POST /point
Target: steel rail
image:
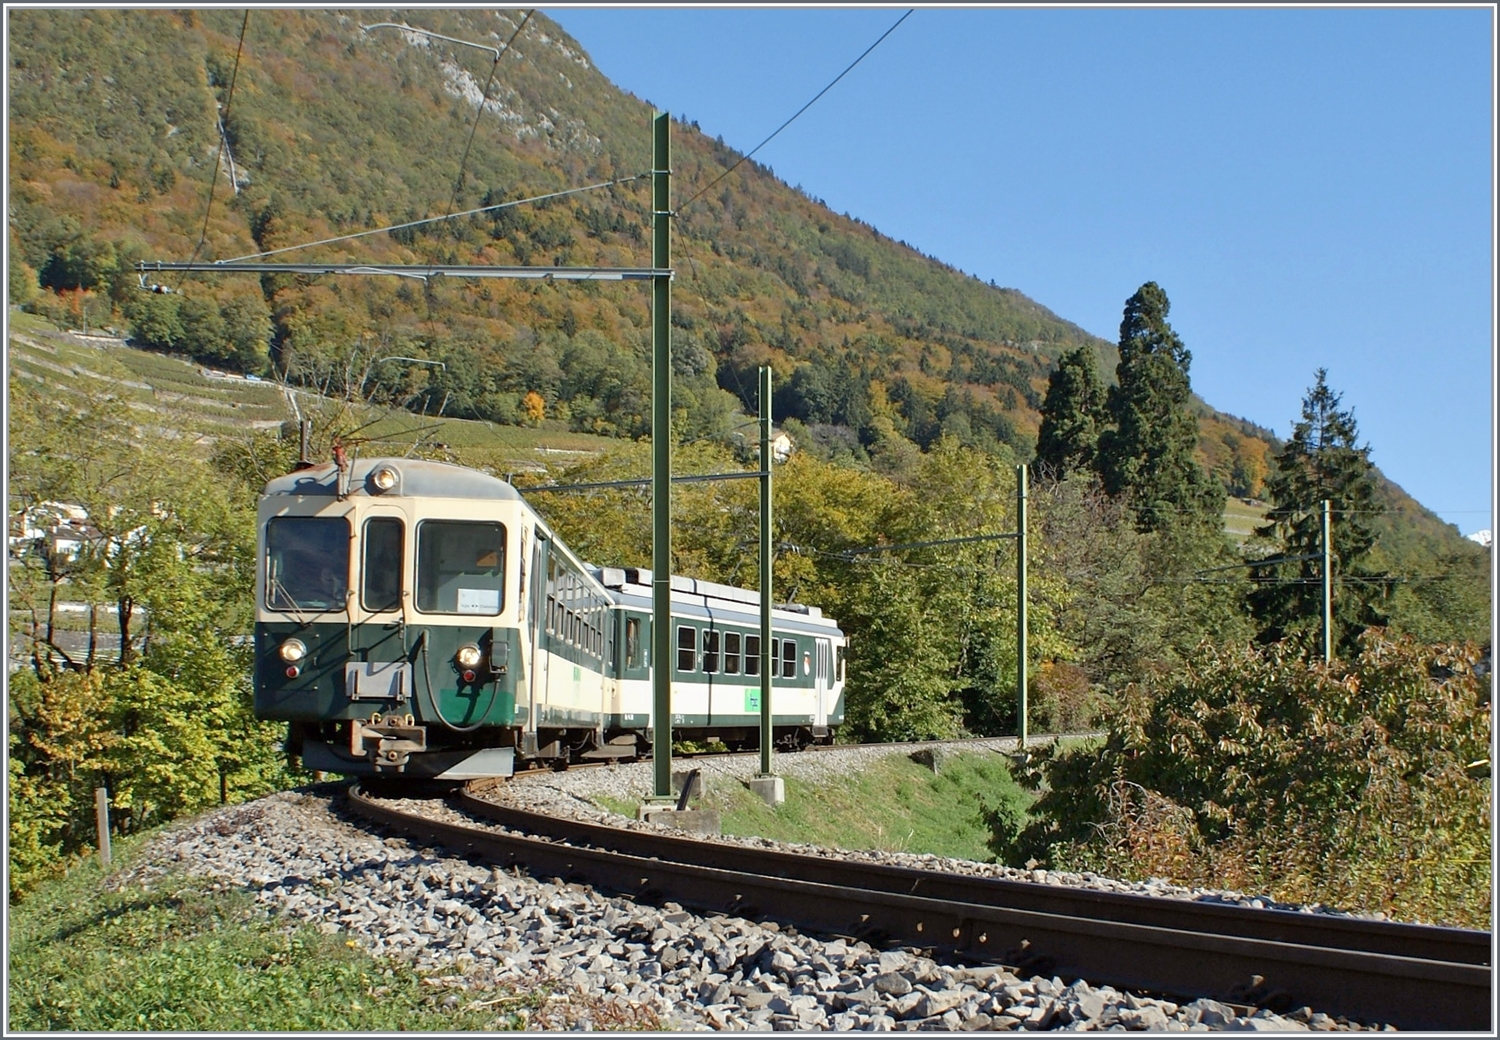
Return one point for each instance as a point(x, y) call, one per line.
point(1408, 992)
point(1456, 945)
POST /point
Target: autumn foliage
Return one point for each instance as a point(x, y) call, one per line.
point(1363, 785)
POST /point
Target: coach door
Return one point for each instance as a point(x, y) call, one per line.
point(378, 668)
point(823, 679)
point(537, 618)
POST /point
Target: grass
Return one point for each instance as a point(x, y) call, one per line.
point(181, 957)
point(1241, 518)
point(894, 805)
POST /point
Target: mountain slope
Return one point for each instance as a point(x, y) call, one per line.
point(334, 131)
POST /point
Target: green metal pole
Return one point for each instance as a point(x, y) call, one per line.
point(1021, 604)
point(661, 457)
point(1327, 586)
point(766, 662)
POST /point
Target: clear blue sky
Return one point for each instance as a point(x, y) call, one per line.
point(1311, 187)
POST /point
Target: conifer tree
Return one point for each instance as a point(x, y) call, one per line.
point(1148, 454)
point(1072, 416)
point(1323, 460)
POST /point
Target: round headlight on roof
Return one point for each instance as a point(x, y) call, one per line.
point(292, 651)
point(383, 478)
point(468, 656)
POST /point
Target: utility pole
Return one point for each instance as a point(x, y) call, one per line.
point(1327, 586)
point(767, 662)
point(661, 456)
point(1021, 606)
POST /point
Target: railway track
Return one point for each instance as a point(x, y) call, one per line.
point(1410, 976)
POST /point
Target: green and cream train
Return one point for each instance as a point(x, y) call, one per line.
point(420, 619)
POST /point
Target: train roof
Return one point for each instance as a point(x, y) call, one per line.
point(414, 478)
point(636, 581)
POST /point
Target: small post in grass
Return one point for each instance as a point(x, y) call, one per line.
point(101, 821)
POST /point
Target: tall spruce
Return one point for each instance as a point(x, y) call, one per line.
point(1323, 460)
point(1148, 453)
point(1072, 416)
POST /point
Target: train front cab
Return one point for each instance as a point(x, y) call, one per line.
point(386, 631)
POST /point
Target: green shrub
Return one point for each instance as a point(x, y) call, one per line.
point(1061, 699)
point(1364, 785)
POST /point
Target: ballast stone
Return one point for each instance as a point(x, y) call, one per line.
point(488, 927)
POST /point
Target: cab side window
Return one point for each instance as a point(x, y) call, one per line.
point(385, 538)
point(460, 567)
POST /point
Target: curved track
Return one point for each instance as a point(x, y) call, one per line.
point(1410, 976)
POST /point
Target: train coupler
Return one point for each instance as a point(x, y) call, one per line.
point(387, 741)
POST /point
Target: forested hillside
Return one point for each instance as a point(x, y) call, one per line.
point(333, 130)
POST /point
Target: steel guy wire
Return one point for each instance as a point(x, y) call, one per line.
point(799, 111)
point(213, 184)
point(484, 95)
point(433, 220)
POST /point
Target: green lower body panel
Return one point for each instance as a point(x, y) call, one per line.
point(351, 673)
point(461, 764)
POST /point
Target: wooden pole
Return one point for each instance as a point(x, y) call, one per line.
point(101, 821)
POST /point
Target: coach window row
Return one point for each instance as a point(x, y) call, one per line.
point(575, 613)
point(722, 653)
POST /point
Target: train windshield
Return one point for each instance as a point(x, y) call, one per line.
point(307, 563)
point(460, 567)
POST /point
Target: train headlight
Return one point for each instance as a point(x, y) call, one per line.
point(292, 651)
point(383, 478)
point(468, 656)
